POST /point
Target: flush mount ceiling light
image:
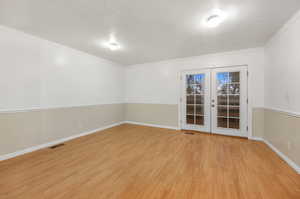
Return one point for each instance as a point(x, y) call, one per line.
point(215, 18)
point(112, 44)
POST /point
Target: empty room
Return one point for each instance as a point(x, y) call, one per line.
point(149, 99)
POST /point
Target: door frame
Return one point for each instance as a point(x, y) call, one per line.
point(180, 97)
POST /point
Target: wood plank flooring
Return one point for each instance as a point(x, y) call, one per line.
point(130, 162)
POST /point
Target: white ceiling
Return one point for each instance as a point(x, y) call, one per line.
point(148, 30)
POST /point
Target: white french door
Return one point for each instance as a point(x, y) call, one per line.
point(215, 101)
point(195, 103)
point(229, 101)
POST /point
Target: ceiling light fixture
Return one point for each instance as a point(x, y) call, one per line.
point(215, 18)
point(112, 44)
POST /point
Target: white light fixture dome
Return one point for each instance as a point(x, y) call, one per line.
point(215, 18)
point(112, 44)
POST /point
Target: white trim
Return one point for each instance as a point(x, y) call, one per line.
point(256, 139)
point(180, 98)
point(149, 102)
point(213, 67)
point(279, 153)
point(290, 113)
point(152, 125)
point(52, 107)
point(284, 157)
point(35, 148)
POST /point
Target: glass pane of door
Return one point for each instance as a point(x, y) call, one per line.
point(228, 99)
point(195, 91)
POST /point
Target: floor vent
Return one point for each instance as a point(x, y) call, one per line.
point(56, 146)
point(188, 133)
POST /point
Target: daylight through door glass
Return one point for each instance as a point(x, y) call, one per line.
point(195, 85)
point(228, 100)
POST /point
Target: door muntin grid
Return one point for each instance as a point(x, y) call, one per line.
point(228, 100)
point(195, 95)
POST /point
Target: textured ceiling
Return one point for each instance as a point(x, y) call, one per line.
point(148, 30)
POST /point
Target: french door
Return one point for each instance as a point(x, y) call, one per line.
point(196, 108)
point(215, 101)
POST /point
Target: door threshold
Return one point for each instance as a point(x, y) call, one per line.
point(231, 136)
point(193, 132)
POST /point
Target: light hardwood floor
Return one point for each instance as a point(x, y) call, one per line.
point(130, 162)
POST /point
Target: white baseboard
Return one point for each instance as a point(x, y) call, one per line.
point(280, 154)
point(152, 125)
point(256, 138)
point(35, 148)
point(284, 157)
